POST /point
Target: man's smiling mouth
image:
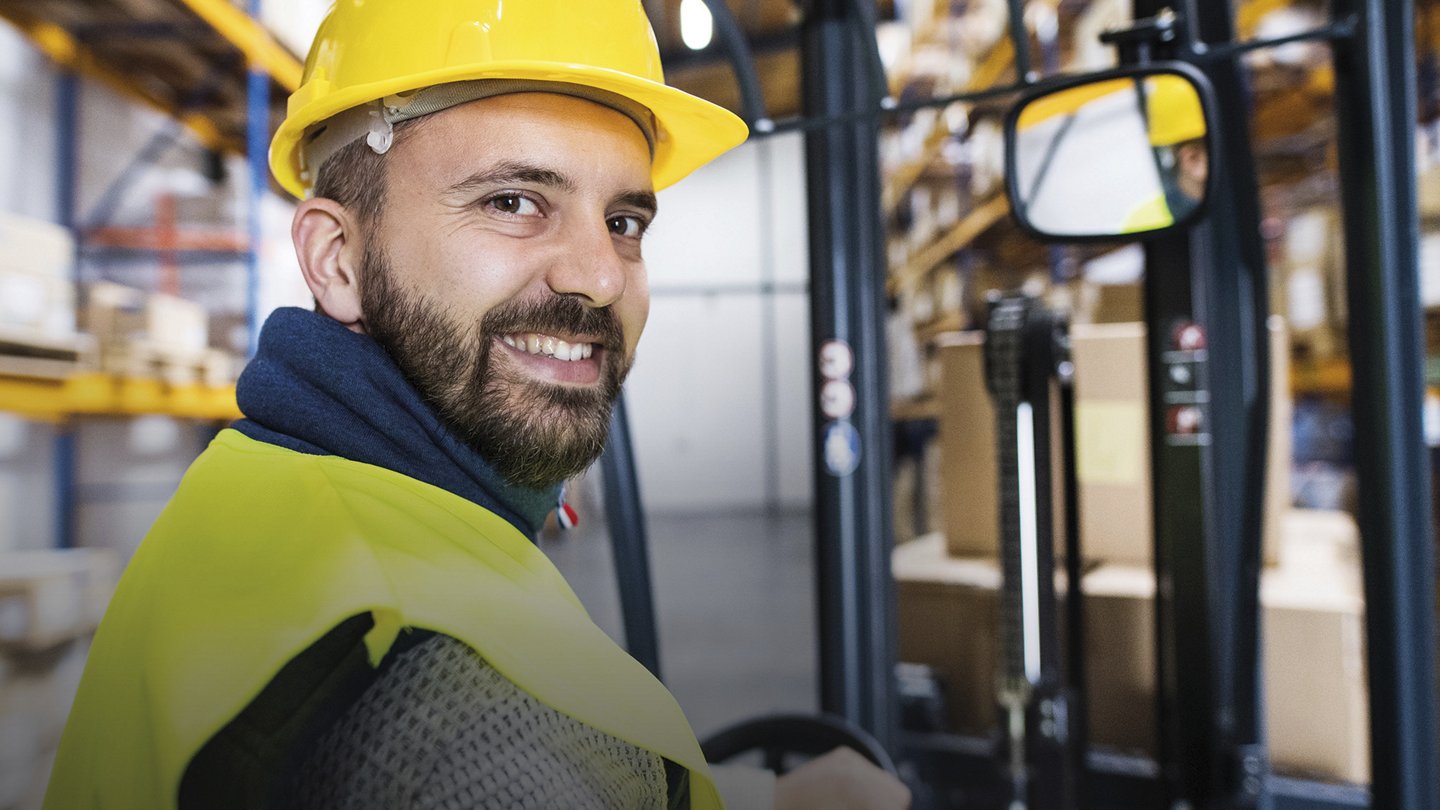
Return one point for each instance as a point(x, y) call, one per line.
point(549, 346)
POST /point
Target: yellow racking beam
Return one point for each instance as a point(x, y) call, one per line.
point(61, 48)
point(956, 238)
point(248, 35)
point(107, 395)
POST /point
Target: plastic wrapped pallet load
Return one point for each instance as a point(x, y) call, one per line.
point(37, 292)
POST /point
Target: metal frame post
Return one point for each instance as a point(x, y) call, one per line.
point(257, 136)
point(1210, 284)
point(625, 519)
point(852, 454)
point(1376, 113)
point(67, 145)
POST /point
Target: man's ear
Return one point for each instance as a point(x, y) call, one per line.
point(331, 248)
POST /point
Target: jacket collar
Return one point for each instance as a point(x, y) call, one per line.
point(316, 387)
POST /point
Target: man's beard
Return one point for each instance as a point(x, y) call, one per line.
point(535, 434)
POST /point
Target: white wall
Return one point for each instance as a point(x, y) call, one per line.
point(719, 399)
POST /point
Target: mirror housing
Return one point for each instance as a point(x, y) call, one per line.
point(1120, 155)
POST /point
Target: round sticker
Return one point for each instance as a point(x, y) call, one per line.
point(842, 449)
point(837, 399)
point(837, 360)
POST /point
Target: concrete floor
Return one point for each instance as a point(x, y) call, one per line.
point(735, 604)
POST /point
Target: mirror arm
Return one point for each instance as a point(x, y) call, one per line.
point(1140, 41)
point(1334, 32)
point(1020, 38)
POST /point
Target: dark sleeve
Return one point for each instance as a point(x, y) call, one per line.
point(249, 762)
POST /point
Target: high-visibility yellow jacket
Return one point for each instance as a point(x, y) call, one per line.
point(1150, 215)
point(265, 550)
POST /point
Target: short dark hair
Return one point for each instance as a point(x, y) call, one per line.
point(355, 176)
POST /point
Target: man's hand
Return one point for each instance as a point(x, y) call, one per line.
point(840, 780)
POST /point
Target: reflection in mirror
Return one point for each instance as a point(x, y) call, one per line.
point(1119, 157)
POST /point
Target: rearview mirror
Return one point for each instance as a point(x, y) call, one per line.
point(1121, 155)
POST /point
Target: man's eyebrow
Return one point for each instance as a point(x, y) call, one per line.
point(513, 172)
point(644, 200)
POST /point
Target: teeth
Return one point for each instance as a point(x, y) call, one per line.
point(547, 346)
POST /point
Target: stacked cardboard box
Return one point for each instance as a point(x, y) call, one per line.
point(153, 335)
point(50, 603)
point(1112, 425)
point(1312, 631)
point(948, 584)
point(37, 294)
point(48, 597)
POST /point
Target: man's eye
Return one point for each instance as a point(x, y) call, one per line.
point(515, 204)
point(627, 226)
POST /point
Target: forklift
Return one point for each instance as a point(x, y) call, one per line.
point(1205, 297)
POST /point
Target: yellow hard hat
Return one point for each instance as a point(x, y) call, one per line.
point(1175, 112)
point(372, 50)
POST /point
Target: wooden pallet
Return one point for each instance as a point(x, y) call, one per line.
point(28, 354)
point(174, 366)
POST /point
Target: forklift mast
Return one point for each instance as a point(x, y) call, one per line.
point(1206, 297)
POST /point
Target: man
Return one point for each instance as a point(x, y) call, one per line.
point(1175, 121)
point(341, 608)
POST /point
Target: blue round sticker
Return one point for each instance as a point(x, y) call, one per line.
point(842, 449)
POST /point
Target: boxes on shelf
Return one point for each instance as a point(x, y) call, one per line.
point(1313, 298)
point(967, 447)
point(37, 292)
point(154, 335)
point(1112, 437)
point(1109, 303)
point(1313, 624)
point(50, 597)
point(37, 690)
point(1113, 441)
point(948, 618)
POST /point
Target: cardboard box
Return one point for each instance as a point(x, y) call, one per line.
point(948, 611)
point(37, 691)
point(1313, 636)
point(35, 306)
point(176, 325)
point(1315, 684)
point(50, 597)
point(1120, 657)
point(37, 290)
point(970, 505)
point(36, 247)
point(1111, 413)
point(1113, 441)
point(948, 618)
point(1316, 708)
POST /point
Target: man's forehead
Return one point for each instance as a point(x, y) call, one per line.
point(568, 137)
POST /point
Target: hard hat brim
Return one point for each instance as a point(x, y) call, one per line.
point(690, 130)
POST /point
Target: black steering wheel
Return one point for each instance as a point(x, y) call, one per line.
point(781, 736)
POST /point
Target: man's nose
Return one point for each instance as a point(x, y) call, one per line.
point(590, 267)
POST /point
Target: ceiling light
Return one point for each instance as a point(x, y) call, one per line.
point(697, 27)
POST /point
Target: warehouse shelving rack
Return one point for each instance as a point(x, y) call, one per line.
point(215, 71)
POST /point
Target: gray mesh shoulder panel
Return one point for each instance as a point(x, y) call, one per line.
point(442, 730)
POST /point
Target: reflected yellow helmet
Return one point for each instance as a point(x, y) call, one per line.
point(1175, 111)
point(370, 51)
